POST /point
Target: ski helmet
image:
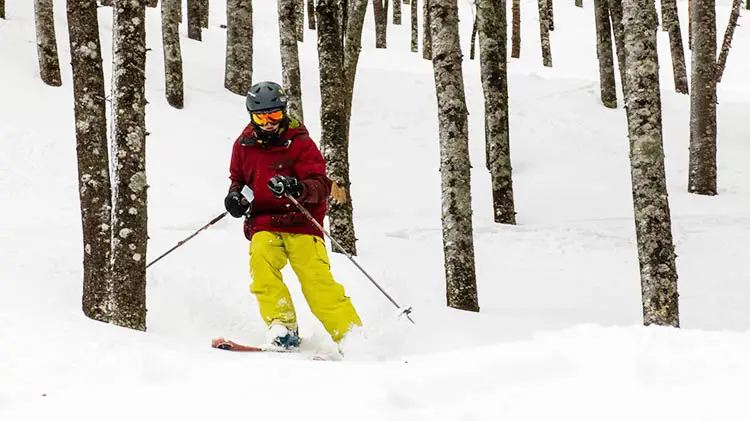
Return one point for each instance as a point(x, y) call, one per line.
point(265, 96)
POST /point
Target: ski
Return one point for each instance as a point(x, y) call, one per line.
point(229, 345)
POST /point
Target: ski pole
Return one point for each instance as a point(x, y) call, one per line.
point(312, 220)
point(213, 221)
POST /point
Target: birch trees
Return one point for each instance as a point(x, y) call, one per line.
point(94, 185)
point(650, 204)
point(607, 88)
point(129, 216)
point(455, 168)
point(46, 43)
point(173, 81)
point(238, 72)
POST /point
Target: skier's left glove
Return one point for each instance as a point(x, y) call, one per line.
point(281, 184)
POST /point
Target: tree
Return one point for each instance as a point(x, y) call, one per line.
point(414, 26)
point(615, 13)
point(493, 45)
point(579, 3)
point(397, 12)
point(333, 134)
point(129, 218)
point(455, 167)
point(516, 37)
point(46, 43)
point(671, 23)
point(650, 204)
point(426, 31)
point(299, 14)
point(607, 88)
point(728, 35)
point(544, 27)
point(205, 6)
point(2, 9)
point(311, 14)
point(195, 13)
point(380, 11)
point(290, 70)
point(173, 81)
point(94, 185)
point(702, 167)
point(238, 73)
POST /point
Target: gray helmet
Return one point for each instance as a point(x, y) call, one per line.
point(265, 96)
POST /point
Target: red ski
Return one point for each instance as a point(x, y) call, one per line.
point(227, 345)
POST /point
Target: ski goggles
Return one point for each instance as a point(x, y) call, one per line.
point(270, 117)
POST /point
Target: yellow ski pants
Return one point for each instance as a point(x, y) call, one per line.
point(269, 252)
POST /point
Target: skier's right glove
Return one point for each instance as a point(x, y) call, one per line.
point(235, 204)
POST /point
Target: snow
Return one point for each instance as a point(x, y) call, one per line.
point(559, 334)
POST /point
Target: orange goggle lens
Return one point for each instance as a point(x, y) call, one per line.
point(273, 117)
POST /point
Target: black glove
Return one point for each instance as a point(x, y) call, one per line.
point(235, 204)
point(281, 184)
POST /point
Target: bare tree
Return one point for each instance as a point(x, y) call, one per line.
point(106, 2)
point(544, 25)
point(615, 13)
point(173, 81)
point(473, 41)
point(579, 3)
point(702, 167)
point(397, 12)
point(493, 43)
point(152, 3)
point(380, 11)
point(516, 37)
point(238, 73)
point(299, 14)
point(2, 9)
point(94, 185)
point(355, 21)
point(311, 14)
point(205, 6)
point(46, 43)
point(195, 13)
point(129, 217)
point(607, 88)
point(426, 31)
point(671, 24)
point(333, 135)
point(455, 167)
point(550, 15)
point(290, 70)
point(650, 204)
point(728, 35)
point(414, 26)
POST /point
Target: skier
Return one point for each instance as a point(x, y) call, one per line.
point(274, 156)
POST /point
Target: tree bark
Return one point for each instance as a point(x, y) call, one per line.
point(194, 13)
point(544, 32)
point(397, 12)
point(650, 204)
point(579, 3)
point(355, 20)
point(46, 43)
point(333, 136)
point(671, 22)
point(516, 37)
point(238, 73)
point(299, 18)
point(380, 11)
point(130, 220)
point(173, 80)
point(728, 35)
point(426, 31)
point(94, 184)
point(702, 167)
point(414, 26)
point(493, 40)
point(550, 15)
point(607, 87)
point(106, 2)
point(2, 9)
point(288, 14)
point(152, 3)
point(455, 167)
point(615, 13)
point(473, 41)
point(205, 8)
point(311, 14)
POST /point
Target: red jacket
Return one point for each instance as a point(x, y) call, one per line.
point(254, 164)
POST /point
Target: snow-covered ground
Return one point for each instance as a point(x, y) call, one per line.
point(559, 334)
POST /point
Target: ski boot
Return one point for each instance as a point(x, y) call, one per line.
point(282, 337)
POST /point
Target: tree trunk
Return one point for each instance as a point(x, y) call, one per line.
point(615, 13)
point(130, 227)
point(397, 12)
point(607, 86)
point(671, 22)
point(380, 10)
point(414, 26)
point(238, 73)
point(473, 41)
point(311, 14)
point(299, 19)
point(455, 167)
point(173, 81)
point(550, 15)
point(46, 43)
point(544, 32)
point(194, 13)
point(290, 56)
point(493, 40)
point(152, 3)
point(106, 2)
point(355, 21)
point(579, 3)
point(728, 39)
point(702, 168)
point(94, 185)
point(426, 31)
point(516, 37)
point(205, 6)
point(650, 204)
point(333, 136)
point(2, 9)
